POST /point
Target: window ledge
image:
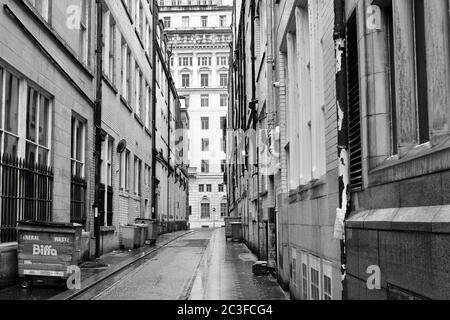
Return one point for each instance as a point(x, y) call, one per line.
point(128, 12)
point(148, 132)
point(139, 38)
point(126, 104)
point(110, 84)
point(138, 119)
point(418, 219)
point(425, 157)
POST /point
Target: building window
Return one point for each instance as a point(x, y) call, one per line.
point(185, 22)
point(204, 61)
point(223, 21)
point(205, 166)
point(185, 61)
point(224, 100)
point(204, 100)
point(223, 145)
point(223, 166)
point(126, 72)
point(185, 80)
point(356, 177)
point(9, 107)
point(421, 72)
point(204, 80)
point(38, 128)
point(205, 145)
point(223, 80)
point(326, 288)
point(208, 188)
point(223, 208)
point(111, 50)
point(305, 281)
point(148, 95)
point(167, 22)
point(315, 285)
point(205, 212)
point(84, 31)
point(137, 176)
point(201, 188)
point(205, 123)
point(223, 123)
point(35, 117)
point(125, 170)
point(78, 148)
point(42, 7)
point(222, 61)
point(204, 21)
point(137, 92)
point(221, 188)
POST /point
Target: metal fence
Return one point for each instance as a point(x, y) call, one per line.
point(26, 192)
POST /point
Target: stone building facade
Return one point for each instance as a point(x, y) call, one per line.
point(391, 69)
point(199, 35)
point(285, 187)
point(400, 166)
point(77, 126)
point(47, 95)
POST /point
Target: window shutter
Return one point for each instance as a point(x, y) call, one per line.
point(354, 108)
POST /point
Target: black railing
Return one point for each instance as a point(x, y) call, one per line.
point(78, 201)
point(26, 193)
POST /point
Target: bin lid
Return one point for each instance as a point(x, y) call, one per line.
point(49, 224)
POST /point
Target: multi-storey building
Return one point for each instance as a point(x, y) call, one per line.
point(199, 35)
point(380, 171)
point(126, 117)
point(171, 171)
point(285, 185)
point(78, 99)
point(399, 119)
point(47, 102)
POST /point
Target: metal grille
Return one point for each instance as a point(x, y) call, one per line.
point(101, 209)
point(26, 192)
point(354, 109)
point(78, 201)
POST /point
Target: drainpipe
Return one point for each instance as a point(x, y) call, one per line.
point(169, 114)
point(253, 107)
point(155, 18)
point(343, 139)
point(271, 101)
point(99, 137)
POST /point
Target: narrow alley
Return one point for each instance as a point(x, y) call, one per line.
point(198, 266)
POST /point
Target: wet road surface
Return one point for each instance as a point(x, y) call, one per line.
point(198, 266)
point(226, 274)
point(167, 275)
point(201, 265)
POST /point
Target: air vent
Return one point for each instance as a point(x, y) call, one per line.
point(354, 107)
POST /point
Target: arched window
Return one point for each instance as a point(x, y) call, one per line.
point(205, 208)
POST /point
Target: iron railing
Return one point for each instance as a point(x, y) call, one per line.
point(78, 200)
point(26, 193)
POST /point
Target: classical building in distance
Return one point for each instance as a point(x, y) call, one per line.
point(199, 34)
